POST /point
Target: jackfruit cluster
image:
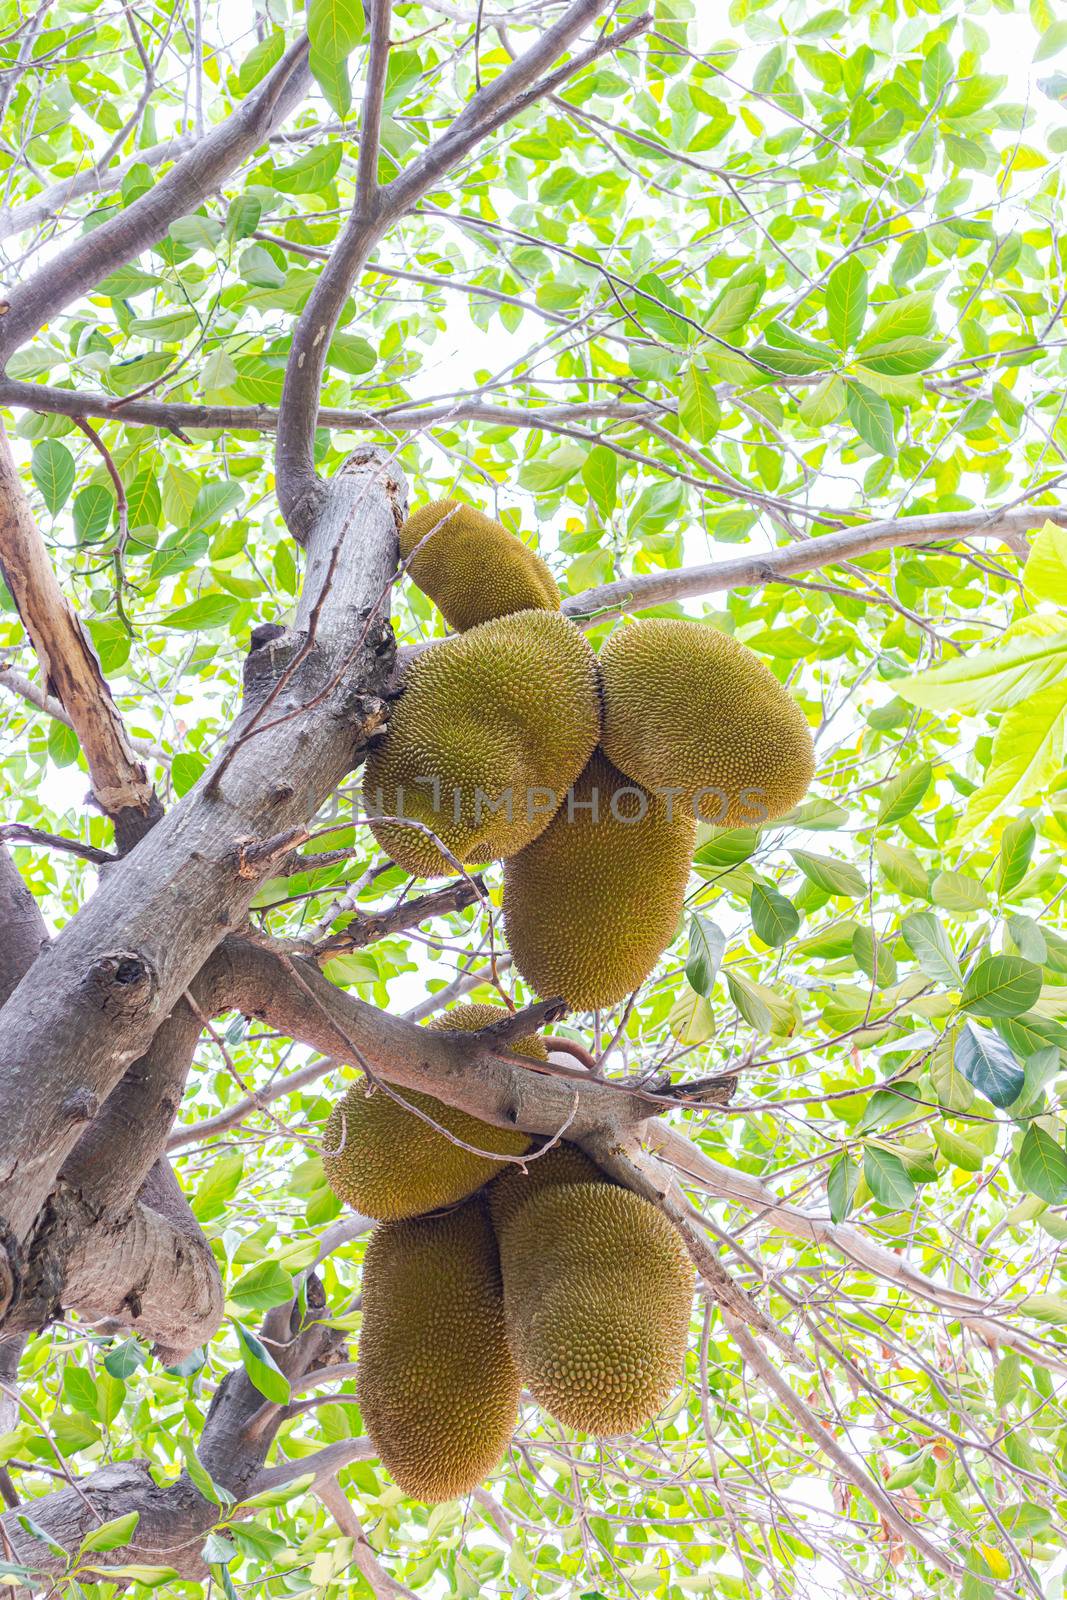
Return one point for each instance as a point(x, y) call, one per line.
point(492, 728)
point(512, 733)
point(552, 1277)
point(385, 1154)
point(472, 568)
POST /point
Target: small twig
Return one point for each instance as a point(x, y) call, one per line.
point(21, 832)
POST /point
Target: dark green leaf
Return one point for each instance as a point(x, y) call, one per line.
point(1002, 986)
point(706, 945)
point(985, 1060)
point(774, 918)
point(1043, 1165)
point(887, 1178)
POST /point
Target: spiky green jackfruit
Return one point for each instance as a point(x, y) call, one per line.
point(472, 568)
point(391, 1163)
point(561, 1163)
point(689, 708)
point(590, 906)
point(437, 1384)
point(492, 727)
point(597, 1295)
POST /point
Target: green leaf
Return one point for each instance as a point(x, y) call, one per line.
point(874, 957)
point(125, 1359)
point(931, 947)
point(201, 1478)
point(1045, 573)
point(871, 417)
point(901, 357)
point(726, 847)
point(259, 60)
point(660, 312)
point(110, 1535)
point(846, 301)
point(312, 172)
point(213, 501)
point(52, 466)
point(831, 875)
point(842, 1181)
point(144, 503)
point(1052, 41)
point(989, 680)
point(600, 472)
point(334, 80)
point(1008, 1378)
point(1051, 1308)
point(1016, 848)
point(266, 1285)
point(957, 892)
point(93, 509)
point(258, 267)
point(902, 794)
point(698, 407)
point(1043, 1165)
point(908, 318)
point(774, 918)
point(1029, 751)
point(1002, 986)
point(887, 1178)
point(335, 27)
point(63, 746)
point(937, 72)
point(196, 232)
point(707, 942)
point(210, 611)
point(986, 1062)
point(351, 354)
point(903, 869)
point(242, 217)
point(261, 1367)
point(35, 1531)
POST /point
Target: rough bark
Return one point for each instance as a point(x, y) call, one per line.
point(94, 1000)
point(25, 934)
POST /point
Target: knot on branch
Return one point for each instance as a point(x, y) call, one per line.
point(122, 983)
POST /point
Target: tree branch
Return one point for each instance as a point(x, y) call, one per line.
point(81, 265)
point(294, 463)
point(25, 934)
point(653, 589)
point(370, 128)
point(21, 686)
point(121, 787)
point(181, 415)
point(93, 1003)
point(94, 180)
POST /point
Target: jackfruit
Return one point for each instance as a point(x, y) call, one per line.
point(689, 708)
point(597, 1295)
point(436, 1382)
point(472, 568)
point(492, 727)
point(391, 1164)
point(562, 1163)
point(590, 906)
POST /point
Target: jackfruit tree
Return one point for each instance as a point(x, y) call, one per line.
point(533, 704)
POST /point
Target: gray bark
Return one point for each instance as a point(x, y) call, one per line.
point(94, 1000)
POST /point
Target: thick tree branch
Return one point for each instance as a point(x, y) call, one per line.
point(653, 589)
point(92, 1004)
point(25, 934)
point(80, 266)
point(467, 1070)
point(68, 663)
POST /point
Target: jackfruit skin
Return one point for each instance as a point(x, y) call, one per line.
point(689, 707)
point(436, 1381)
point(391, 1164)
point(513, 704)
point(598, 1291)
point(589, 907)
point(472, 568)
point(563, 1163)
